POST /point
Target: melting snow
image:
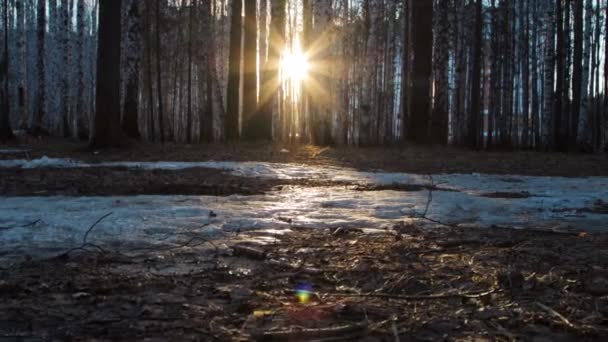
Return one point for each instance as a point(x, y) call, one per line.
point(138, 220)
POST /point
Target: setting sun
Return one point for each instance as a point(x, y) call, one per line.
point(295, 65)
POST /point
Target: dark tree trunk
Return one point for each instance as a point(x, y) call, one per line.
point(525, 142)
point(250, 90)
point(36, 127)
point(234, 72)
point(159, 78)
point(131, 105)
point(421, 39)
point(6, 133)
point(475, 114)
point(440, 119)
point(190, 38)
point(559, 137)
point(107, 115)
point(148, 79)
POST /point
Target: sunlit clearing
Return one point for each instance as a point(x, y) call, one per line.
point(295, 65)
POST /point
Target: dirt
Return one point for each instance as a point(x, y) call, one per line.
point(124, 181)
point(413, 159)
point(460, 284)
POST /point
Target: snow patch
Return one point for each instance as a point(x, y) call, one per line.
point(155, 220)
point(12, 151)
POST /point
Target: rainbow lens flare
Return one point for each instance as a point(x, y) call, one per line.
point(304, 292)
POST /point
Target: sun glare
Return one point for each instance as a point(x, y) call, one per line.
point(295, 65)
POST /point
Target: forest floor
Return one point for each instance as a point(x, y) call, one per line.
point(412, 159)
point(317, 285)
point(412, 279)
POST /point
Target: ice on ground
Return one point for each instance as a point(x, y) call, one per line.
point(144, 221)
point(161, 220)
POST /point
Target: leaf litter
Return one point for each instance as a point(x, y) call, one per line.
point(406, 281)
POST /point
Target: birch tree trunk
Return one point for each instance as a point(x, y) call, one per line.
point(261, 125)
point(577, 71)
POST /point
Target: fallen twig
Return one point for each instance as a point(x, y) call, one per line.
point(33, 223)
point(323, 334)
point(413, 297)
point(556, 314)
point(84, 239)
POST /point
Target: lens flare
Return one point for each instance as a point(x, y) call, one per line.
point(295, 65)
point(304, 292)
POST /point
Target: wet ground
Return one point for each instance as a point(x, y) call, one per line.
point(299, 243)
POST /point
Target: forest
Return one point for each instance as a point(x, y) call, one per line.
point(304, 170)
point(523, 74)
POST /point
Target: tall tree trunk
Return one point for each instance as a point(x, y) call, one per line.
point(605, 110)
point(260, 126)
point(321, 113)
point(133, 56)
point(475, 115)
point(36, 126)
point(65, 77)
point(549, 71)
point(234, 72)
point(525, 61)
point(82, 117)
point(584, 130)
point(250, 89)
point(22, 70)
point(148, 79)
point(159, 78)
point(306, 46)
point(107, 115)
point(577, 71)
point(421, 39)
point(440, 119)
point(6, 133)
point(558, 127)
point(191, 10)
